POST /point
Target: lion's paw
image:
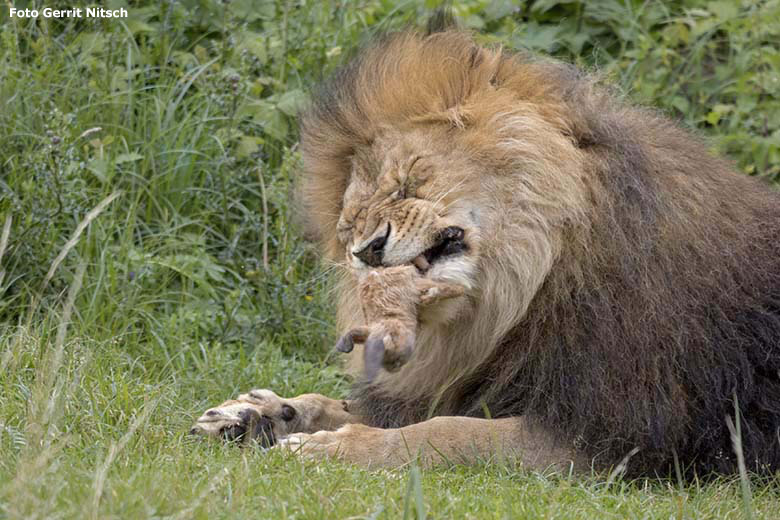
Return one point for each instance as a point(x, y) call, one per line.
point(260, 415)
point(311, 445)
point(355, 443)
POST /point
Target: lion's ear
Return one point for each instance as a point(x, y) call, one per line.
point(441, 20)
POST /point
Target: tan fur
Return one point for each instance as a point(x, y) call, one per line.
point(439, 441)
point(619, 289)
point(390, 299)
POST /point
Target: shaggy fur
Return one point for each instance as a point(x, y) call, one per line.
point(628, 284)
point(390, 301)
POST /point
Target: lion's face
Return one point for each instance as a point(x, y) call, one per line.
point(407, 202)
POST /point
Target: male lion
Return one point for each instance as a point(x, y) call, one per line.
point(618, 286)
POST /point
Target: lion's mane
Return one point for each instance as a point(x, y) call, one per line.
point(661, 308)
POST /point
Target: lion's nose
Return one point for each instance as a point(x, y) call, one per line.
point(372, 254)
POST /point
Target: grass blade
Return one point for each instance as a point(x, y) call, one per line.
point(736, 442)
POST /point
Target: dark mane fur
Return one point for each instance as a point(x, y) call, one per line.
point(669, 314)
point(663, 309)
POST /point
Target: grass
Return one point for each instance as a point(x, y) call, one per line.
point(151, 265)
point(100, 436)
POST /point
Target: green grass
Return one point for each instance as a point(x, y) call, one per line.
point(101, 436)
point(151, 264)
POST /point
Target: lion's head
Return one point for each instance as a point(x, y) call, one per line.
point(593, 240)
point(475, 180)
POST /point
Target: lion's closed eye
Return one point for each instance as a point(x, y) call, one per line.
point(407, 180)
point(344, 231)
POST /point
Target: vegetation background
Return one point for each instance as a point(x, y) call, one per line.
point(150, 265)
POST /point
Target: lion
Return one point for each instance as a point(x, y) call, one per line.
point(617, 286)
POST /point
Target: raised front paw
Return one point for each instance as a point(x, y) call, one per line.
point(260, 415)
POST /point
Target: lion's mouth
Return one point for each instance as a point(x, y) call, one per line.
point(449, 241)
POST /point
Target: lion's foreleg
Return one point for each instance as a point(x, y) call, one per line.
point(439, 441)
